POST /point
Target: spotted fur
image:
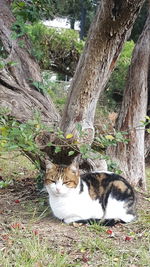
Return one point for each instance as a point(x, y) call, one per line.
point(94, 195)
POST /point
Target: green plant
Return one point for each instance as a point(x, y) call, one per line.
point(146, 123)
point(111, 140)
point(33, 251)
point(55, 45)
point(4, 184)
point(2, 64)
point(16, 136)
point(116, 84)
point(19, 28)
point(33, 10)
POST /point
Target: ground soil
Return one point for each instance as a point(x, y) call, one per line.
point(23, 204)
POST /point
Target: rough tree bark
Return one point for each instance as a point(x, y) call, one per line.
point(134, 109)
point(16, 89)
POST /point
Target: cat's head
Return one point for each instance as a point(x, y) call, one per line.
point(60, 180)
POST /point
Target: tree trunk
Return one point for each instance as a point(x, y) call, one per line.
point(17, 92)
point(134, 109)
point(108, 32)
point(72, 23)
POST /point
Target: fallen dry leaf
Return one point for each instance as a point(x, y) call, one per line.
point(17, 201)
point(128, 238)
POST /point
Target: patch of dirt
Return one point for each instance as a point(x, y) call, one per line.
point(22, 204)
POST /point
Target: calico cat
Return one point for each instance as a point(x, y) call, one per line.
point(95, 195)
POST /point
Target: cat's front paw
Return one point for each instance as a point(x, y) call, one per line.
point(71, 220)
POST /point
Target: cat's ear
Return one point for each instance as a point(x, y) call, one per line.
point(74, 166)
point(49, 164)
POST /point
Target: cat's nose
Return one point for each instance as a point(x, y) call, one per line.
point(57, 190)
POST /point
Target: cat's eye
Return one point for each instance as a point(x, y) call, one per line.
point(67, 183)
point(53, 181)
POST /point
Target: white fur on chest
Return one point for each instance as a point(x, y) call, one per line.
point(75, 206)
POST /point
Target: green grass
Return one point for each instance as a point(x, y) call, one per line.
point(115, 251)
point(14, 165)
point(27, 249)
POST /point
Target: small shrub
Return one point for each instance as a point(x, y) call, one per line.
point(55, 47)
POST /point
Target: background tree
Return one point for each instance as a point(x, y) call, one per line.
point(81, 10)
point(133, 111)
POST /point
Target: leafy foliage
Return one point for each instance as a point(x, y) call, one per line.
point(111, 140)
point(16, 136)
point(19, 28)
point(57, 89)
point(139, 23)
point(57, 49)
point(33, 10)
point(60, 50)
point(146, 123)
point(22, 137)
point(116, 84)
